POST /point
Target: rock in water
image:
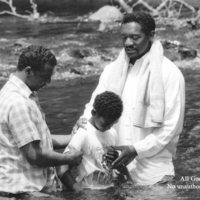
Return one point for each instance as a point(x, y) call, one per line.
point(187, 53)
point(106, 14)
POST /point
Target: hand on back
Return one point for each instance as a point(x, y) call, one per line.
point(81, 122)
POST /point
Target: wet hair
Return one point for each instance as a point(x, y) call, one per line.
point(145, 20)
point(108, 105)
point(36, 57)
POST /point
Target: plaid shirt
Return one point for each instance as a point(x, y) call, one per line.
point(22, 122)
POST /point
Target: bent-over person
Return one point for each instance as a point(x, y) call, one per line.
point(27, 158)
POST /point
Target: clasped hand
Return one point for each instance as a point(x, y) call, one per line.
point(128, 153)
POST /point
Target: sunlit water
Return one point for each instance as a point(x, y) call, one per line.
point(63, 102)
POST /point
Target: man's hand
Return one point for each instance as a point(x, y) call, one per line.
point(128, 153)
point(81, 122)
point(74, 157)
point(111, 155)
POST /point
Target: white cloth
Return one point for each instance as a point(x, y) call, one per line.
point(155, 146)
point(93, 143)
point(149, 105)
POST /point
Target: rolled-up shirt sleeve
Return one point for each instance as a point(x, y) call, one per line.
point(173, 118)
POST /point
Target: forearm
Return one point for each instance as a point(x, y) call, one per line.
point(128, 176)
point(48, 158)
point(156, 141)
point(68, 180)
point(60, 141)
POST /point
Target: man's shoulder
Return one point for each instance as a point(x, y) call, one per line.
point(170, 69)
point(13, 102)
point(109, 66)
point(171, 73)
point(11, 96)
point(169, 66)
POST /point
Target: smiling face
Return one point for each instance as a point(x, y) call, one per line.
point(37, 80)
point(136, 43)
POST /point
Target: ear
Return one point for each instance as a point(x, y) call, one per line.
point(151, 35)
point(28, 70)
point(93, 112)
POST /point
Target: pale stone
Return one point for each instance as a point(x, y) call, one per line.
point(106, 14)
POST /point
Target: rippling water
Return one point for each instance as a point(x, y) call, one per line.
point(63, 102)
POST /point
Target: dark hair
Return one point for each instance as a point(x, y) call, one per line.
point(108, 105)
point(145, 20)
point(36, 57)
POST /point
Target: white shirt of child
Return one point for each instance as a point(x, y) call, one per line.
point(93, 172)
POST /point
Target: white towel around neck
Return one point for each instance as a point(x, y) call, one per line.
point(150, 100)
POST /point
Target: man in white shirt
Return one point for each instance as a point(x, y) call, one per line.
point(152, 89)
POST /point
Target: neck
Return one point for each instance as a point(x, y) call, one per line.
point(20, 75)
point(91, 120)
point(133, 60)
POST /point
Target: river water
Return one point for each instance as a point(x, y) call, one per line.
point(63, 101)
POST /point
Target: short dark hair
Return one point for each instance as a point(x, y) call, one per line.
point(108, 105)
point(36, 57)
point(145, 20)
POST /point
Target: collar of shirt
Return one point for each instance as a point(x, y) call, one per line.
point(23, 88)
point(134, 69)
point(139, 61)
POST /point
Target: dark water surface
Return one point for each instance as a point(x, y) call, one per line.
point(63, 102)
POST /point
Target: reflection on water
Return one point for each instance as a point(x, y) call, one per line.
point(12, 27)
point(63, 102)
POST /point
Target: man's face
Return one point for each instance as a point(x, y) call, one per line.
point(39, 79)
point(135, 41)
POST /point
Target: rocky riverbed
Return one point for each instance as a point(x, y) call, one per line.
point(81, 49)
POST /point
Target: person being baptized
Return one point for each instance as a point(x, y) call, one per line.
point(95, 172)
